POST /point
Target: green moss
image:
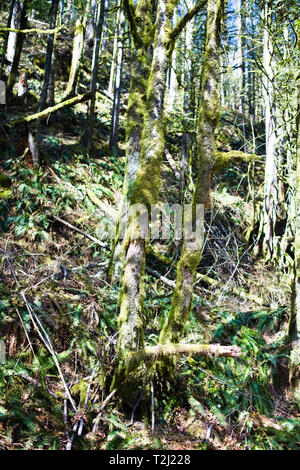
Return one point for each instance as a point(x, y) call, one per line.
point(5, 194)
point(80, 389)
point(5, 181)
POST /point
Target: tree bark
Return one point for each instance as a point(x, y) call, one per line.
point(294, 327)
point(5, 45)
point(142, 33)
point(12, 77)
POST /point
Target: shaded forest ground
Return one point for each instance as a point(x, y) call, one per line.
point(223, 404)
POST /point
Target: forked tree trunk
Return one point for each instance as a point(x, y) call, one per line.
point(209, 115)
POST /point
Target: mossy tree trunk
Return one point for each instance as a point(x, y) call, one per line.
point(209, 115)
point(142, 34)
point(142, 31)
point(186, 181)
point(145, 190)
point(270, 207)
point(78, 43)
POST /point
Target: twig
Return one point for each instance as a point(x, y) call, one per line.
point(87, 235)
point(97, 419)
point(135, 407)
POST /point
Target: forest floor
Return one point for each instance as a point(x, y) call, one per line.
point(58, 308)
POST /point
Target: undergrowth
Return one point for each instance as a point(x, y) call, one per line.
point(224, 403)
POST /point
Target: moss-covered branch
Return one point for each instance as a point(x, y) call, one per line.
point(152, 353)
point(130, 13)
point(33, 30)
point(224, 159)
point(185, 19)
point(47, 111)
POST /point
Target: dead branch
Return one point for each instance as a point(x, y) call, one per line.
point(87, 235)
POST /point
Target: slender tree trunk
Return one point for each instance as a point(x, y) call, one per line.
point(51, 86)
point(5, 45)
point(105, 28)
point(186, 143)
point(12, 36)
point(91, 26)
point(61, 11)
point(78, 46)
point(12, 77)
point(115, 50)
point(114, 128)
point(271, 182)
point(139, 74)
point(87, 138)
point(172, 80)
point(53, 15)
